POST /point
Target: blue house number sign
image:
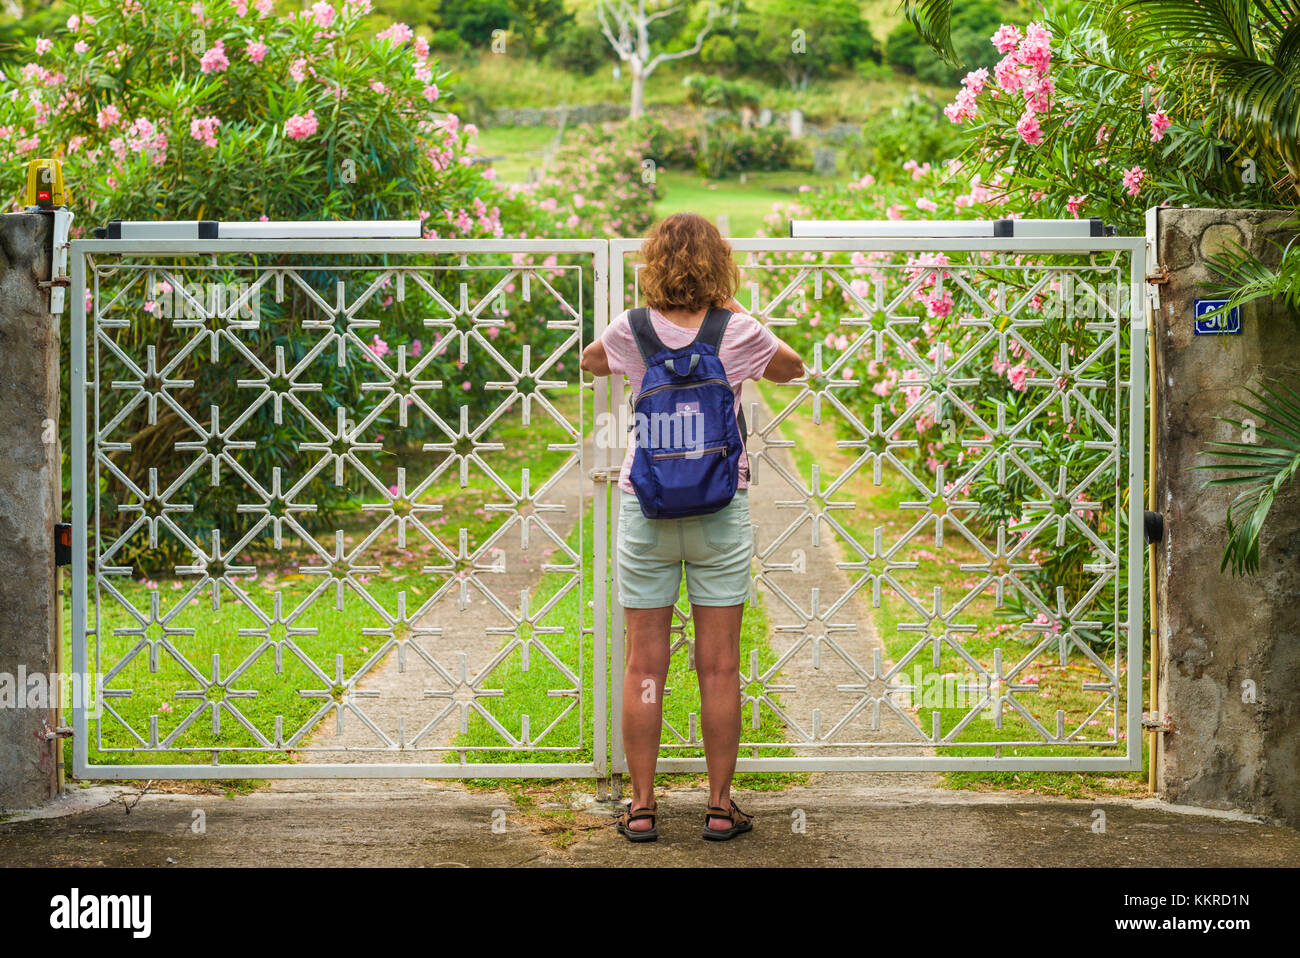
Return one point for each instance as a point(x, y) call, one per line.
point(1224, 324)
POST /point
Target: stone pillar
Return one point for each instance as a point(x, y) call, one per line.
point(1230, 646)
point(30, 483)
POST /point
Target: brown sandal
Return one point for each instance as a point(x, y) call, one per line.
point(630, 815)
point(740, 823)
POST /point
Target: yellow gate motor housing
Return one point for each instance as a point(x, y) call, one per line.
point(45, 189)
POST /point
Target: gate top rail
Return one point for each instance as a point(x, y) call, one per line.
point(81, 247)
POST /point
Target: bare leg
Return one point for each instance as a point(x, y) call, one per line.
point(644, 676)
point(717, 665)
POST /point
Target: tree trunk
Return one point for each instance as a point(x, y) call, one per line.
point(638, 93)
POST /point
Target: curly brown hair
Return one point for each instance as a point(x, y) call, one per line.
point(688, 265)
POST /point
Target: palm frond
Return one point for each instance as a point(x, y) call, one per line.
point(1261, 94)
point(1246, 278)
point(1259, 470)
point(933, 21)
point(1174, 22)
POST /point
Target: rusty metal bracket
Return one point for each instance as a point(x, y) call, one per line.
point(1155, 722)
point(1154, 281)
point(50, 734)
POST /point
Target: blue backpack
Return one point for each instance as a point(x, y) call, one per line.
point(688, 439)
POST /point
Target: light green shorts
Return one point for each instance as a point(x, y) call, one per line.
point(716, 550)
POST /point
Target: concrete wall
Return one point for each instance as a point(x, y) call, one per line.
point(1220, 632)
point(29, 498)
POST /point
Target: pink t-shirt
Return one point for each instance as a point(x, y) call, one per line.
point(747, 347)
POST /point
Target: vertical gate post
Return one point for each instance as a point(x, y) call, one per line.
point(1230, 646)
point(30, 492)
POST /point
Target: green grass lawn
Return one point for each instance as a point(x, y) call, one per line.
point(1057, 686)
point(744, 204)
point(516, 150)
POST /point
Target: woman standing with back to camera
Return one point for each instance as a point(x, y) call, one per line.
point(683, 498)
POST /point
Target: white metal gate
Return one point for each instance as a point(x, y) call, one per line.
point(374, 642)
point(396, 647)
point(842, 682)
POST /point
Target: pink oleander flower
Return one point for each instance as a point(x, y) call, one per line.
point(204, 129)
point(1133, 180)
point(397, 34)
point(1010, 74)
point(1029, 129)
point(378, 346)
point(300, 127)
point(431, 92)
point(1035, 51)
point(421, 47)
point(963, 107)
point(1038, 94)
point(43, 46)
point(1159, 123)
point(255, 51)
point(1006, 39)
point(975, 80)
point(108, 116)
point(926, 204)
point(323, 14)
point(264, 8)
point(1074, 204)
point(215, 60)
point(1017, 375)
point(298, 70)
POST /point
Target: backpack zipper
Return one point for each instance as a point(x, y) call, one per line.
point(689, 453)
point(691, 385)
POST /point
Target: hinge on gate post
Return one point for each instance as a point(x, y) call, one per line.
point(1154, 282)
point(1158, 723)
point(50, 734)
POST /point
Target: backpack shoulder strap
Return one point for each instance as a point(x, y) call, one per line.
point(713, 327)
point(643, 331)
